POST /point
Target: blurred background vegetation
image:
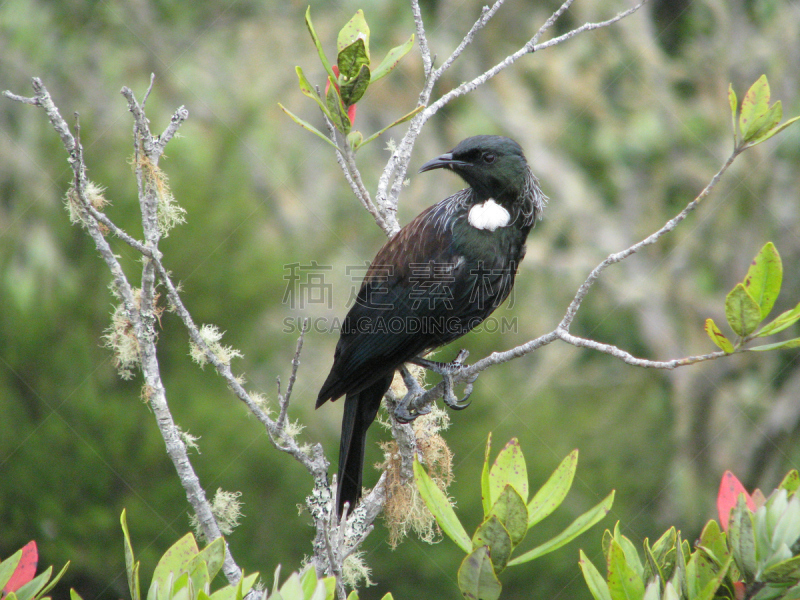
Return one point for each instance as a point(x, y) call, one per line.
point(623, 125)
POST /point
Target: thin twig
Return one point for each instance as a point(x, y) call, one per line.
point(422, 40)
point(292, 376)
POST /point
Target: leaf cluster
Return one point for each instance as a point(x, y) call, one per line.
point(508, 514)
point(749, 303)
point(348, 80)
point(754, 554)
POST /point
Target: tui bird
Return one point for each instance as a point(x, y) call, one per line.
point(436, 279)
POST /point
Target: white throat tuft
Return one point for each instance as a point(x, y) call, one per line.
point(488, 215)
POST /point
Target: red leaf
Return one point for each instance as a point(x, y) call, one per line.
point(729, 489)
point(25, 570)
point(351, 113)
point(739, 589)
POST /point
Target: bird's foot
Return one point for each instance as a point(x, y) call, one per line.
point(405, 412)
point(448, 371)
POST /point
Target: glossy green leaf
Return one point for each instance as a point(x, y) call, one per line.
point(577, 527)
point(741, 539)
point(700, 570)
point(307, 126)
point(594, 580)
point(734, 106)
point(441, 509)
point(354, 89)
point(351, 596)
point(392, 58)
point(308, 581)
point(308, 90)
point(717, 336)
point(510, 509)
point(131, 566)
point(766, 125)
point(351, 60)
point(388, 596)
point(495, 536)
point(476, 577)
point(509, 469)
point(754, 105)
point(764, 278)
point(678, 579)
point(73, 595)
point(742, 311)
point(485, 493)
point(336, 110)
point(355, 29)
point(402, 119)
point(324, 59)
point(623, 581)
point(783, 321)
point(552, 493)
point(793, 343)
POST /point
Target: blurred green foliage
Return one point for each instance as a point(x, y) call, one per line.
point(622, 125)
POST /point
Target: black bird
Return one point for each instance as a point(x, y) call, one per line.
point(436, 279)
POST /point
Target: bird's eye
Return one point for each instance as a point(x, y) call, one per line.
point(489, 158)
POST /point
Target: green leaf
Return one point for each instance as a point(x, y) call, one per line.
point(790, 483)
point(623, 581)
point(594, 580)
point(741, 539)
point(734, 105)
point(402, 119)
point(73, 595)
point(388, 596)
point(651, 567)
point(552, 493)
point(631, 555)
point(780, 128)
point(577, 527)
point(318, 44)
point(670, 593)
point(8, 566)
point(351, 60)
point(392, 58)
point(754, 105)
point(764, 278)
point(131, 566)
point(511, 511)
point(495, 536)
point(787, 571)
point(783, 321)
point(354, 139)
point(355, 29)
point(34, 586)
point(354, 89)
point(765, 126)
point(700, 570)
point(441, 509)
point(308, 126)
point(742, 311)
point(485, 490)
point(213, 555)
point(718, 337)
point(714, 543)
point(711, 587)
point(54, 581)
point(653, 591)
point(476, 577)
point(308, 90)
point(793, 343)
point(509, 469)
point(336, 110)
point(174, 561)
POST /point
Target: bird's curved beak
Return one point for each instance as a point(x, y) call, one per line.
point(445, 161)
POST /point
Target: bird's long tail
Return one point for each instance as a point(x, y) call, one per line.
point(359, 413)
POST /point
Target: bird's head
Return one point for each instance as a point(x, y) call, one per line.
point(494, 166)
